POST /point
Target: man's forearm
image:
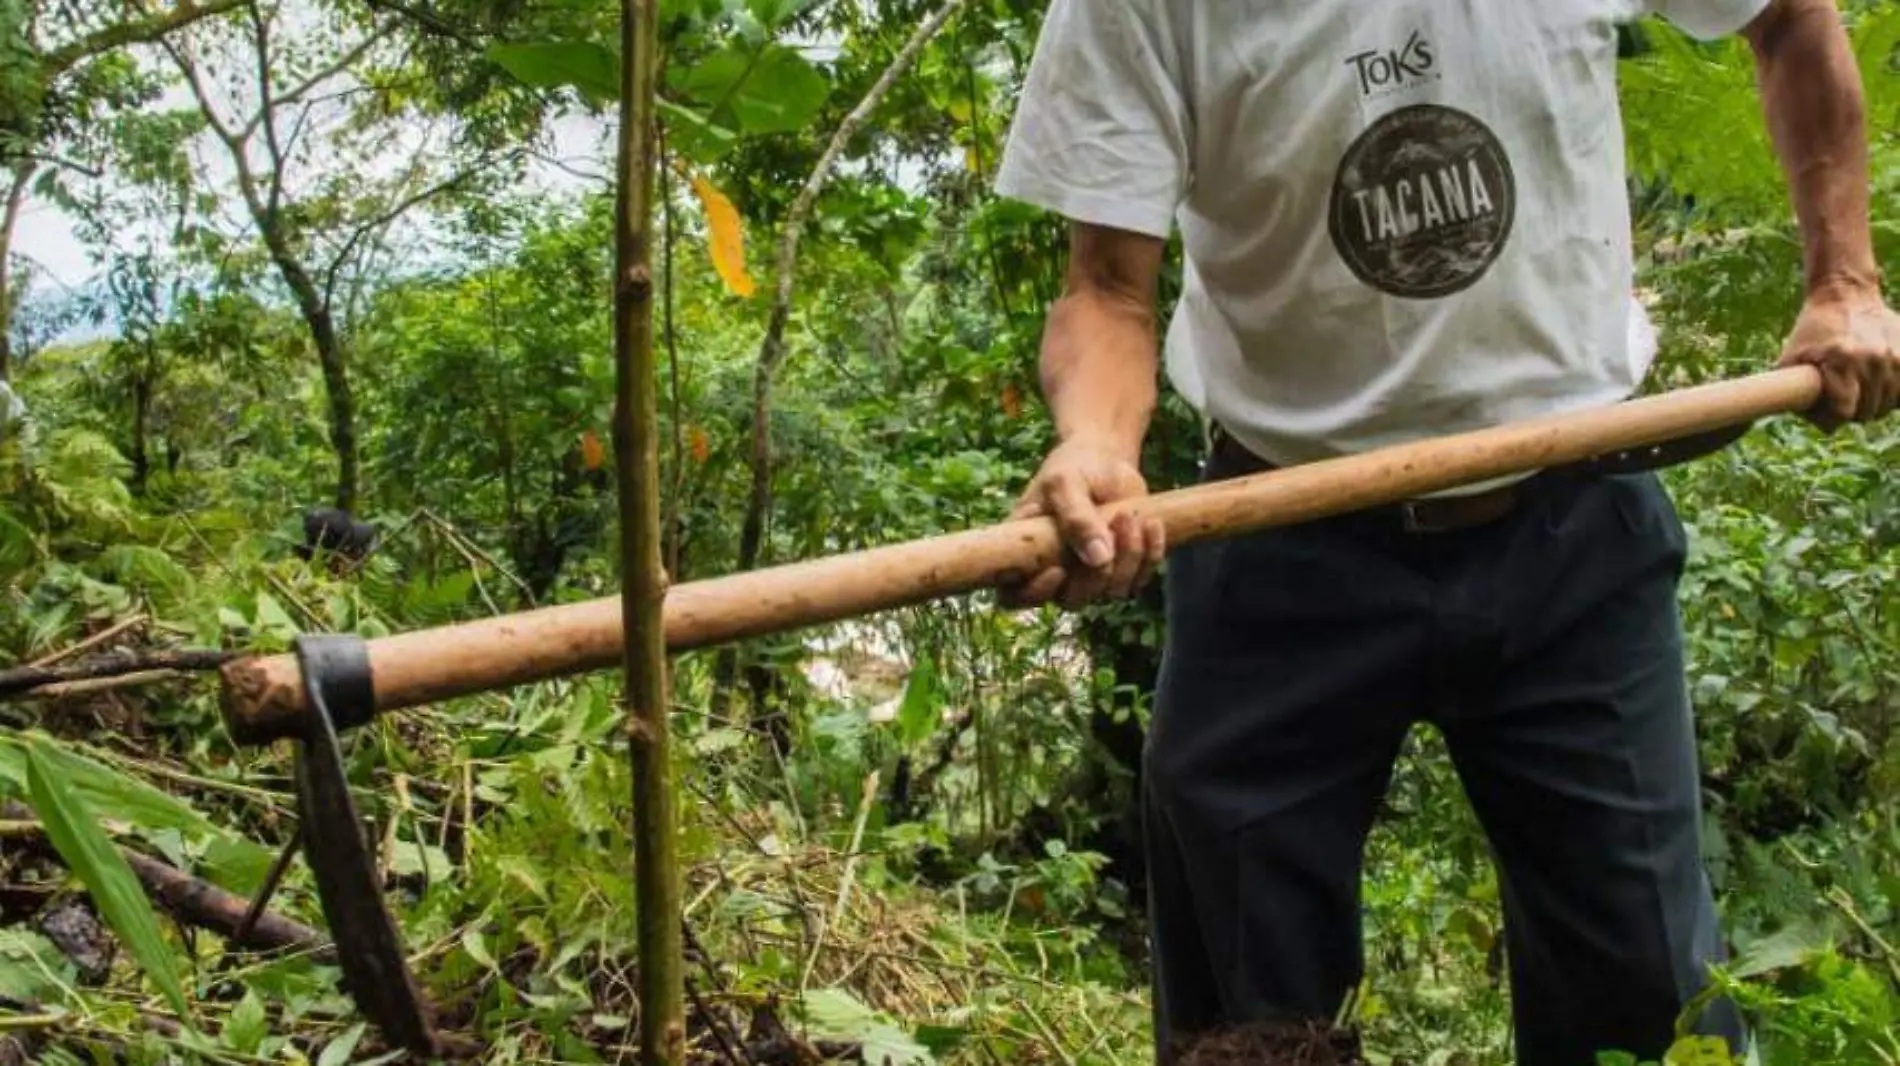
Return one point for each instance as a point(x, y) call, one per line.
point(1098, 369)
point(1812, 95)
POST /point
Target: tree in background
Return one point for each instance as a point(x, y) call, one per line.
point(307, 106)
point(69, 97)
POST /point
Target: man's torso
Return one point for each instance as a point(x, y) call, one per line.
point(1403, 219)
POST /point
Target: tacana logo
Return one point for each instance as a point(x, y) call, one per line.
point(1423, 202)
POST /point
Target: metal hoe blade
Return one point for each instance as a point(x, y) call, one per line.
point(375, 969)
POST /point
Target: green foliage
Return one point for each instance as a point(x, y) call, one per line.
point(762, 89)
point(590, 68)
point(835, 1014)
point(983, 912)
point(75, 830)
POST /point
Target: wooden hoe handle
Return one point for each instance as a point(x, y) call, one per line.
point(263, 696)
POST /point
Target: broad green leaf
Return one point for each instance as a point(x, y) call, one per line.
point(771, 89)
point(337, 1052)
point(83, 845)
point(589, 68)
point(1788, 948)
point(922, 710)
point(247, 1026)
point(725, 237)
point(720, 740)
point(835, 1014)
point(272, 618)
point(694, 136)
point(129, 799)
point(411, 859)
point(234, 861)
point(520, 869)
point(476, 946)
point(144, 567)
point(32, 968)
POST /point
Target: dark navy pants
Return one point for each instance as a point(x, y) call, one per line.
point(1547, 647)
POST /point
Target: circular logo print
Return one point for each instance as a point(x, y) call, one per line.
point(1423, 202)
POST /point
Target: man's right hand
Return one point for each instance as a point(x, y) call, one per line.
point(1108, 558)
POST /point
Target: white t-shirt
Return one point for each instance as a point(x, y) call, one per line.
point(1401, 218)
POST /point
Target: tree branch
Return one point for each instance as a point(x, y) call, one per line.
point(235, 143)
point(143, 31)
point(267, 109)
point(425, 18)
point(395, 211)
point(189, 69)
point(62, 163)
point(341, 64)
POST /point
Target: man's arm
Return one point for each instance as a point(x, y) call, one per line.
point(1812, 96)
point(1811, 93)
point(1098, 375)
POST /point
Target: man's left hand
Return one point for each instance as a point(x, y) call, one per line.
point(1854, 338)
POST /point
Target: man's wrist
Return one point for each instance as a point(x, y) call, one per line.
point(1120, 443)
point(1841, 286)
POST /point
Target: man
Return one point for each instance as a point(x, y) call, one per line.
point(1401, 219)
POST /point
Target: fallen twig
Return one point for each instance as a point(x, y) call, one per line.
point(206, 905)
point(91, 642)
point(199, 902)
point(845, 880)
point(33, 680)
point(62, 689)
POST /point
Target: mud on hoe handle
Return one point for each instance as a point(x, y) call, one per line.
point(263, 697)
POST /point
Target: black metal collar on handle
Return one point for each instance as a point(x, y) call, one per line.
point(338, 695)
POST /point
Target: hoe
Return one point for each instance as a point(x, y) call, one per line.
point(335, 682)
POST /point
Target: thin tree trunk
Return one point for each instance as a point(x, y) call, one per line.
point(141, 414)
point(772, 351)
point(336, 383)
point(643, 584)
point(330, 359)
point(16, 198)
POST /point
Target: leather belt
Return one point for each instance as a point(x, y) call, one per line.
point(1434, 514)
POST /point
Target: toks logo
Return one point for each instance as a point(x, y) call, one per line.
point(1393, 68)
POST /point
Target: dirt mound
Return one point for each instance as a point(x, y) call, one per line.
point(1275, 1044)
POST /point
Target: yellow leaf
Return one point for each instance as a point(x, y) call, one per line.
point(972, 159)
point(726, 237)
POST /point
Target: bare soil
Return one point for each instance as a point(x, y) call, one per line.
point(1275, 1044)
